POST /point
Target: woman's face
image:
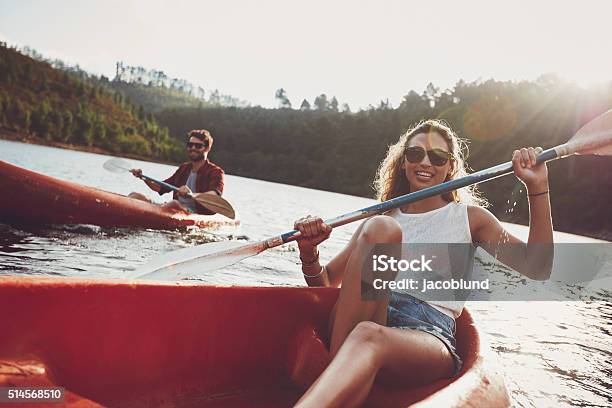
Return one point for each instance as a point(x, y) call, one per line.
point(424, 173)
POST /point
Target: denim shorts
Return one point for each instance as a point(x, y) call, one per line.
point(408, 312)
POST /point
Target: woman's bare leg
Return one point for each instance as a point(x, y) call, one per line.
point(407, 356)
point(361, 344)
point(350, 309)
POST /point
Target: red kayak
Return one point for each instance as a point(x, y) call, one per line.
point(126, 343)
point(32, 198)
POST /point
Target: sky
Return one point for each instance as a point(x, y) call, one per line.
point(362, 52)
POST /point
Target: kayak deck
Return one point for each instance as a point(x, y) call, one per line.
point(167, 344)
point(39, 199)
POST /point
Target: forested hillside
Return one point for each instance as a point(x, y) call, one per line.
point(58, 106)
point(155, 91)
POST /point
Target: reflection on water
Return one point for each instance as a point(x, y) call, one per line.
point(552, 353)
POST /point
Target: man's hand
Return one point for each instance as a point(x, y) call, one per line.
point(136, 172)
point(184, 191)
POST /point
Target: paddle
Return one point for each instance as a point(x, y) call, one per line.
point(211, 201)
point(593, 138)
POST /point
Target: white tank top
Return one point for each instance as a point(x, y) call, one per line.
point(444, 225)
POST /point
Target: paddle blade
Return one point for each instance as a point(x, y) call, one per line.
point(215, 203)
point(198, 260)
point(594, 138)
point(117, 165)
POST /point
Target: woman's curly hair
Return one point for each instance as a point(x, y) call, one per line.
point(391, 182)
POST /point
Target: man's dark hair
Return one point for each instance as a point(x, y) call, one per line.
point(202, 134)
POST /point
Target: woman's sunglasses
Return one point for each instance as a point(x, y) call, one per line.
point(437, 157)
point(191, 145)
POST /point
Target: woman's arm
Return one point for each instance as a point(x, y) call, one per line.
point(315, 231)
point(533, 259)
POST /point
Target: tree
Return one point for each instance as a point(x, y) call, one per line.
point(431, 94)
point(28, 72)
point(80, 89)
point(40, 125)
point(83, 129)
point(56, 121)
point(334, 104)
point(3, 108)
point(321, 102)
point(214, 98)
point(141, 112)
point(44, 84)
point(99, 131)
point(67, 129)
point(384, 104)
point(20, 116)
point(283, 101)
point(305, 105)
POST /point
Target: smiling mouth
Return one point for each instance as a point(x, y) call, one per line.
point(424, 175)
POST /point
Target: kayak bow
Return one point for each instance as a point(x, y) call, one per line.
point(33, 198)
point(134, 344)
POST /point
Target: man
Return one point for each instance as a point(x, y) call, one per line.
point(199, 175)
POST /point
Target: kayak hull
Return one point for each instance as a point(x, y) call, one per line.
point(34, 198)
point(123, 343)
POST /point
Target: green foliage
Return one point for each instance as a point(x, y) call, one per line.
point(70, 107)
point(4, 104)
point(40, 123)
point(333, 105)
point(55, 121)
point(66, 131)
point(283, 100)
point(155, 90)
point(321, 102)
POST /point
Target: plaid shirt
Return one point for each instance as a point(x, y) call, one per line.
point(210, 178)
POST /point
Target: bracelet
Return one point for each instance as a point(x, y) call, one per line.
point(316, 259)
point(315, 276)
point(537, 194)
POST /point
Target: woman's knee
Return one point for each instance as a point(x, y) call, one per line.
point(368, 339)
point(381, 229)
point(367, 333)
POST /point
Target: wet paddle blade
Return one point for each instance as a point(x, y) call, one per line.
point(595, 137)
point(197, 260)
point(117, 165)
point(216, 203)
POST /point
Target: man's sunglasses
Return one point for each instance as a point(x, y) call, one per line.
point(437, 157)
point(191, 145)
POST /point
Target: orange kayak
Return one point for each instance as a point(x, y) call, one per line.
point(126, 343)
point(33, 198)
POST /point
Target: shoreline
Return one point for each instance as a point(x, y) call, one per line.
point(11, 135)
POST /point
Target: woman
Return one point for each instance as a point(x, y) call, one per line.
point(404, 339)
